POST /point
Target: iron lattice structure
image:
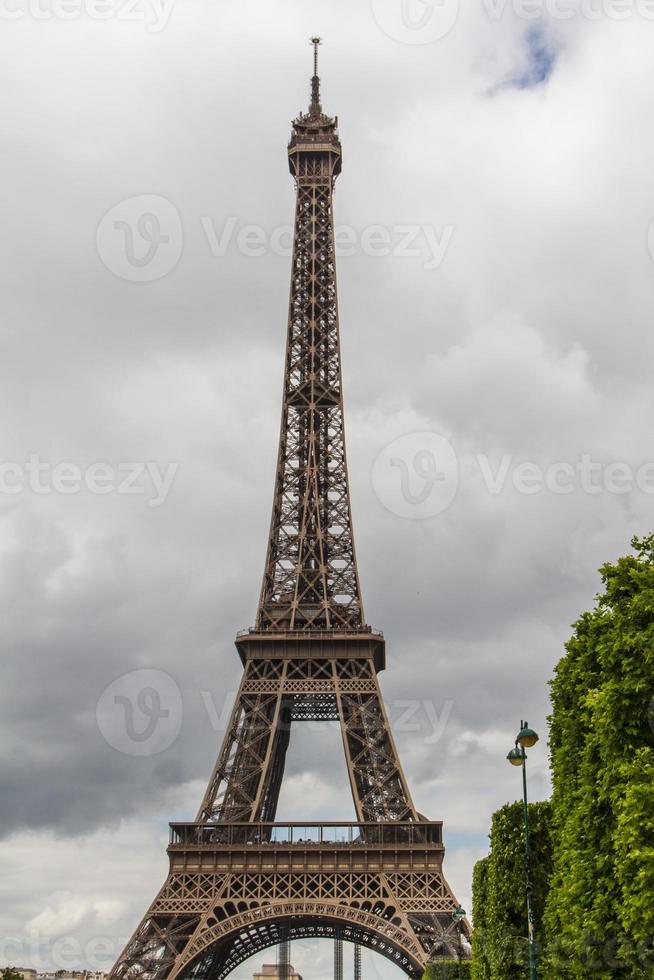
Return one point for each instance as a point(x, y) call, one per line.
point(311, 580)
point(338, 958)
point(239, 882)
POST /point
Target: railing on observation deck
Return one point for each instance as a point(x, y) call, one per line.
point(425, 833)
point(296, 634)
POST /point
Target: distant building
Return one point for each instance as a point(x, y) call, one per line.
point(26, 972)
point(270, 971)
point(78, 975)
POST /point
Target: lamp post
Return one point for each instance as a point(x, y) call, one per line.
point(526, 739)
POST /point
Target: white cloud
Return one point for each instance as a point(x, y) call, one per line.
point(63, 912)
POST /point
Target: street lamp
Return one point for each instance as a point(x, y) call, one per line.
point(526, 739)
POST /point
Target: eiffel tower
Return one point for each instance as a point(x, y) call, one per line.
point(239, 882)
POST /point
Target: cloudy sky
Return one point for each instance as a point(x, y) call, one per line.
point(497, 299)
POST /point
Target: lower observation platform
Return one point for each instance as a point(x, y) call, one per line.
point(236, 888)
point(427, 834)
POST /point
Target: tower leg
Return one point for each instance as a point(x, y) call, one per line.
point(284, 958)
point(338, 958)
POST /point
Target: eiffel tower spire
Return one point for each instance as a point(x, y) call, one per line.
point(311, 580)
point(315, 108)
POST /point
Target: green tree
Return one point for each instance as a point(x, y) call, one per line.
point(9, 973)
point(600, 909)
point(500, 944)
point(448, 970)
point(481, 967)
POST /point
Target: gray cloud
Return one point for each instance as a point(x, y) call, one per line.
point(531, 339)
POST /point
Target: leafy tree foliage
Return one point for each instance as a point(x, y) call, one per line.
point(481, 967)
point(500, 944)
point(448, 970)
point(9, 973)
point(600, 910)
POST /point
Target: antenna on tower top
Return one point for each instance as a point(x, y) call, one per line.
point(315, 108)
point(316, 41)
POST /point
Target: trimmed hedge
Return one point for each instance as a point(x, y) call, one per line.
point(481, 966)
point(500, 946)
point(600, 911)
point(593, 844)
